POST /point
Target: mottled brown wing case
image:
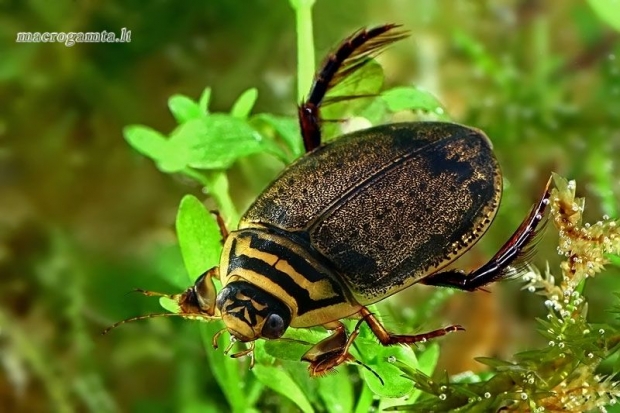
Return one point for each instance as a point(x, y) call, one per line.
point(388, 205)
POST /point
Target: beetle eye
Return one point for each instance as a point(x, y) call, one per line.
point(274, 326)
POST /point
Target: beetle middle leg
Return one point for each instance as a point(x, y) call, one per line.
point(386, 338)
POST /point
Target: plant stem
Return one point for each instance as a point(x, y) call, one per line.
point(305, 46)
point(216, 183)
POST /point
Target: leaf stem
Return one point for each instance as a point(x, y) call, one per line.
point(305, 46)
point(216, 184)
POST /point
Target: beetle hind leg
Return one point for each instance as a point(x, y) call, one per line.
point(509, 260)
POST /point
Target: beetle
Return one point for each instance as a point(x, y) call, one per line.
point(354, 221)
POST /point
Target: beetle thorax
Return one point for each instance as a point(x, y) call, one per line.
point(284, 266)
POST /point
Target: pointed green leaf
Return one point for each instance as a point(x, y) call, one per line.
point(243, 106)
point(183, 108)
point(411, 98)
point(203, 102)
point(147, 141)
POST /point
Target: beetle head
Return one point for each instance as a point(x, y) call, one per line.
point(250, 313)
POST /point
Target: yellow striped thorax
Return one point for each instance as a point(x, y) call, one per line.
point(274, 279)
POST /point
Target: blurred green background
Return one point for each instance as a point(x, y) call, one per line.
point(84, 219)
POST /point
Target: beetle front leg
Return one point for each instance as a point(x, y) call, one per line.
point(331, 351)
point(221, 224)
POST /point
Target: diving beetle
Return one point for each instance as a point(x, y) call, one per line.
point(354, 221)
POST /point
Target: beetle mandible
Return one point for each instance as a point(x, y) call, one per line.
point(356, 220)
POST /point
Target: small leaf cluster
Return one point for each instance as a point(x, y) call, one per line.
point(563, 375)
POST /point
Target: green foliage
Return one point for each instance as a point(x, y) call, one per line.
point(400, 379)
point(608, 11)
point(84, 219)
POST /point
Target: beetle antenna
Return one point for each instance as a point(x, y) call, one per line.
point(147, 316)
point(370, 370)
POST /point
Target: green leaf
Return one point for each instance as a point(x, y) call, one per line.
point(199, 239)
point(169, 304)
point(147, 141)
point(411, 98)
point(203, 102)
point(614, 259)
point(608, 11)
point(351, 96)
point(243, 106)
point(336, 391)
point(281, 382)
point(216, 141)
point(294, 343)
point(364, 401)
point(383, 362)
point(286, 128)
point(199, 236)
point(183, 108)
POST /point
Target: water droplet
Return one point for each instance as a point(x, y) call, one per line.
point(523, 396)
point(439, 110)
point(561, 345)
point(551, 343)
point(601, 331)
point(487, 395)
point(605, 217)
point(391, 359)
point(442, 396)
point(531, 289)
point(590, 355)
point(586, 331)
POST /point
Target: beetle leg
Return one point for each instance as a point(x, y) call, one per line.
point(221, 224)
point(331, 351)
point(514, 251)
point(386, 338)
point(351, 55)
